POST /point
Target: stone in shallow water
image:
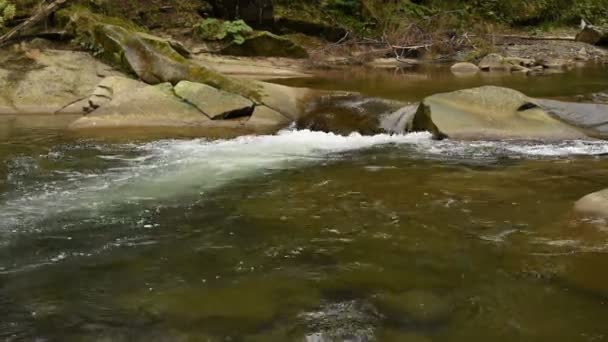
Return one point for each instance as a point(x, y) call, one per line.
point(419, 307)
point(594, 204)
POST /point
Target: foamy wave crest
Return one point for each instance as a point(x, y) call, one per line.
point(172, 168)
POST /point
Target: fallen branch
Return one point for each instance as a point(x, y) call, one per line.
point(516, 36)
point(42, 14)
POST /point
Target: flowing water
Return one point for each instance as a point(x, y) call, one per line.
point(301, 236)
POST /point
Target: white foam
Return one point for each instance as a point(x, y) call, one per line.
point(173, 168)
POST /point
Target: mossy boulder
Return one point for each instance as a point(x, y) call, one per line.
point(266, 44)
point(153, 59)
point(120, 102)
point(489, 113)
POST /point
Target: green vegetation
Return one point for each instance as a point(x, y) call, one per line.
point(7, 13)
point(373, 17)
point(230, 31)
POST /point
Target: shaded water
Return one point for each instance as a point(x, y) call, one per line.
point(302, 236)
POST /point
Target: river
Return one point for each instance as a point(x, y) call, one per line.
point(305, 236)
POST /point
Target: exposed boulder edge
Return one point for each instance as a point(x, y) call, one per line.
point(214, 103)
point(489, 113)
point(592, 117)
point(595, 204)
point(153, 59)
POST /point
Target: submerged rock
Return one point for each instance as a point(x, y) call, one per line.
point(143, 106)
point(266, 44)
point(489, 113)
point(594, 204)
point(421, 307)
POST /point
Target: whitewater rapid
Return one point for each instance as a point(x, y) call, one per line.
point(174, 168)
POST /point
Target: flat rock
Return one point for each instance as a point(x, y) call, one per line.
point(593, 117)
point(214, 103)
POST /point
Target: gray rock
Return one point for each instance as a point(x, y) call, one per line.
point(595, 204)
point(489, 113)
point(144, 106)
point(214, 103)
point(264, 116)
point(593, 117)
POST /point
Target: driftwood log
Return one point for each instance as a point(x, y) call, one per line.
point(39, 16)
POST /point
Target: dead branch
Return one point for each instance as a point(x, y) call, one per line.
point(40, 15)
point(516, 36)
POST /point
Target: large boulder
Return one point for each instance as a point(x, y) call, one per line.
point(140, 105)
point(153, 59)
point(120, 102)
point(595, 204)
point(592, 117)
point(36, 81)
point(489, 113)
point(266, 44)
point(593, 35)
point(347, 113)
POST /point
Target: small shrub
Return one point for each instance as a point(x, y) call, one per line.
point(218, 30)
point(7, 13)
